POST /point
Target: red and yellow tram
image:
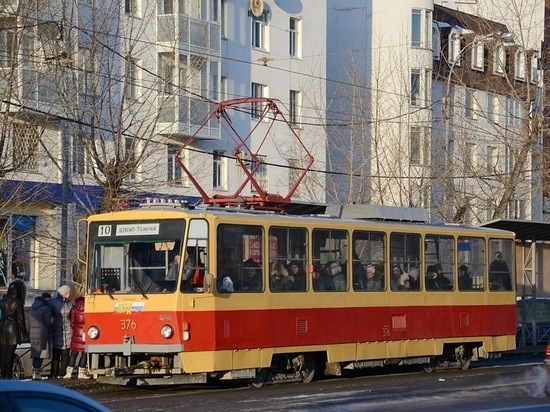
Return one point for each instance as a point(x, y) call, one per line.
point(268, 297)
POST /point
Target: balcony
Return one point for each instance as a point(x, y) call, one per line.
point(196, 36)
point(182, 115)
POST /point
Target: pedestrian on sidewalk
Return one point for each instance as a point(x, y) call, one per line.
point(77, 342)
point(42, 322)
point(13, 330)
point(62, 332)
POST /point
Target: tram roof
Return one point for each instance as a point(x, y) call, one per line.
point(525, 230)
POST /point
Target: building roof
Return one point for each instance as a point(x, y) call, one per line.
point(458, 18)
point(525, 230)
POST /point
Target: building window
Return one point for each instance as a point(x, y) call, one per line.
point(493, 108)
point(196, 9)
point(132, 78)
point(519, 209)
point(197, 76)
point(520, 65)
point(499, 59)
point(427, 29)
point(81, 164)
point(131, 157)
point(131, 7)
point(175, 172)
point(257, 90)
point(223, 18)
point(534, 68)
point(470, 159)
point(427, 85)
point(166, 72)
point(219, 172)
point(7, 43)
point(454, 49)
point(166, 7)
point(295, 105)
point(87, 72)
point(478, 55)
point(223, 88)
point(415, 87)
point(259, 32)
point(492, 159)
point(436, 41)
point(261, 172)
point(295, 48)
point(471, 107)
point(515, 112)
point(25, 140)
point(294, 171)
point(421, 28)
point(418, 146)
point(416, 28)
point(24, 247)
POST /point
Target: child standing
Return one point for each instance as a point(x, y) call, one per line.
point(77, 341)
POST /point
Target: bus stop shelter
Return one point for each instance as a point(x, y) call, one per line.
point(532, 245)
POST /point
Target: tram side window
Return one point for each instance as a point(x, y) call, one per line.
point(500, 275)
point(240, 258)
point(439, 252)
point(287, 259)
point(369, 261)
point(195, 258)
point(471, 263)
point(330, 260)
point(405, 259)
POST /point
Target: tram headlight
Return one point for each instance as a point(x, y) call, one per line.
point(93, 332)
point(166, 331)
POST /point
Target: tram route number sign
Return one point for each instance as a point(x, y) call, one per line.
point(129, 229)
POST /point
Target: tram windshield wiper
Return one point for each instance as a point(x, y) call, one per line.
point(139, 285)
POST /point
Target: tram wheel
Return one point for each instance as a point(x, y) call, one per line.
point(260, 378)
point(464, 363)
point(430, 367)
point(307, 371)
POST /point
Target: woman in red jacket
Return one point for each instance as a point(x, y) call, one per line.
point(77, 341)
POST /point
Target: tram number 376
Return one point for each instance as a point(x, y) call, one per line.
point(127, 324)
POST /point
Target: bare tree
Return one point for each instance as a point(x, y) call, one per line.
point(489, 88)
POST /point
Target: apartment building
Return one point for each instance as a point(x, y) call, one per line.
point(274, 49)
point(97, 98)
point(488, 87)
point(434, 107)
point(379, 61)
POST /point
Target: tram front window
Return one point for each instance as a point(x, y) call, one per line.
point(129, 268)
point(133, 257)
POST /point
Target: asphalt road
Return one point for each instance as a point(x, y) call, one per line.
point(514, 382)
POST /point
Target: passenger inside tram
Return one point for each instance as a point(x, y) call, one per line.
point(252, 279)
point(296, 270)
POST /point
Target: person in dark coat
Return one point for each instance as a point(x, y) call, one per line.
point(62, 332)
point(13, 330)
point(20, 287)
point(321, 279)
point(499, 274)
point(77, 341)
point(42, 321)
point(252, 276)
point(464, 279)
